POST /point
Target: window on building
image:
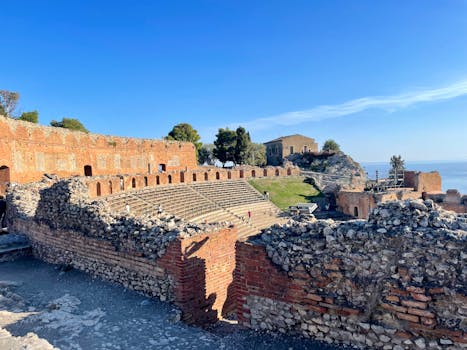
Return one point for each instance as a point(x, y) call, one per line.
point(87, 170)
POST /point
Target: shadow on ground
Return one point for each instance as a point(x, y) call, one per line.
point(71, 310)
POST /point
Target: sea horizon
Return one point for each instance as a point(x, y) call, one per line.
point(453, 172)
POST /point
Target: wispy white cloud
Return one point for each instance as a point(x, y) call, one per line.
point(387, 103)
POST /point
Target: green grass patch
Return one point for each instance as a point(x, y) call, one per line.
point(284, 192)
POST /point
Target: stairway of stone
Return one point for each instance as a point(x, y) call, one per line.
point(228, 201)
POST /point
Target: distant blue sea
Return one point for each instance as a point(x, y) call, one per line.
point(454, 174)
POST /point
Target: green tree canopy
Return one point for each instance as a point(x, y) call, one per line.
point(256, 154)
point(224, 145)
point(205, 154)
point(32, 117)
point(69, 123)
point(331, 146)
point(185, 132)
point(242, 142)
point(8, 102)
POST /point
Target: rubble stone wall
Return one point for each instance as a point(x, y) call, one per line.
point(161, 256)
point(397, 281)
point(365, 201)
point(28, 150)
point(451, 200)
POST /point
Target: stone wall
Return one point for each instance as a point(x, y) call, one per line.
point(397, 281)
point(360, 203)
point(28, 150)
point(423, 182)
point(161, 256)
point(451, 200)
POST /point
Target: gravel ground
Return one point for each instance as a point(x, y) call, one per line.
point(42, 307)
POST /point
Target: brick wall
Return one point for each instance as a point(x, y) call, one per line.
point(365, 201)
point(106, 185)
point(423, 181)
point(29, 150)
point(392, 315)
point(195, 273)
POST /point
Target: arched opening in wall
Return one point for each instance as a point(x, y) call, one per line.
point(169, 178)
point(122, 183)
point(145, 181)
point(98, 189)
point(158, 180)
point(206, 177)
point(218, 176)
point(242, 175)
point(133, 183)
point(87, 170)
point(277, 172)
point(194, 177)
point(355, 212)
point(4, 177)
point(182, 176)
point(253, 173)
point(110, 187)
point(289, 171)
point(265, 172)
point(149, 168)
point(229, 175)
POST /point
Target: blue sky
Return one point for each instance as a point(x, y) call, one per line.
point(379, 77)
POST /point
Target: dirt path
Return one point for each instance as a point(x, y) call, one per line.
point(42, 307)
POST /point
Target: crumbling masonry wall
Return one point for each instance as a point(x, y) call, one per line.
point(28, 150)
point(160, 256)
point(397, 281)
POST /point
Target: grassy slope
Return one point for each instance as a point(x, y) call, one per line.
point(286, 191)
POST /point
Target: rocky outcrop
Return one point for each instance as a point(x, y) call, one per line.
point(331, 171)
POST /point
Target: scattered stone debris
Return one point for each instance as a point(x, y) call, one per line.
point(65, 204)
point(399, 235)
